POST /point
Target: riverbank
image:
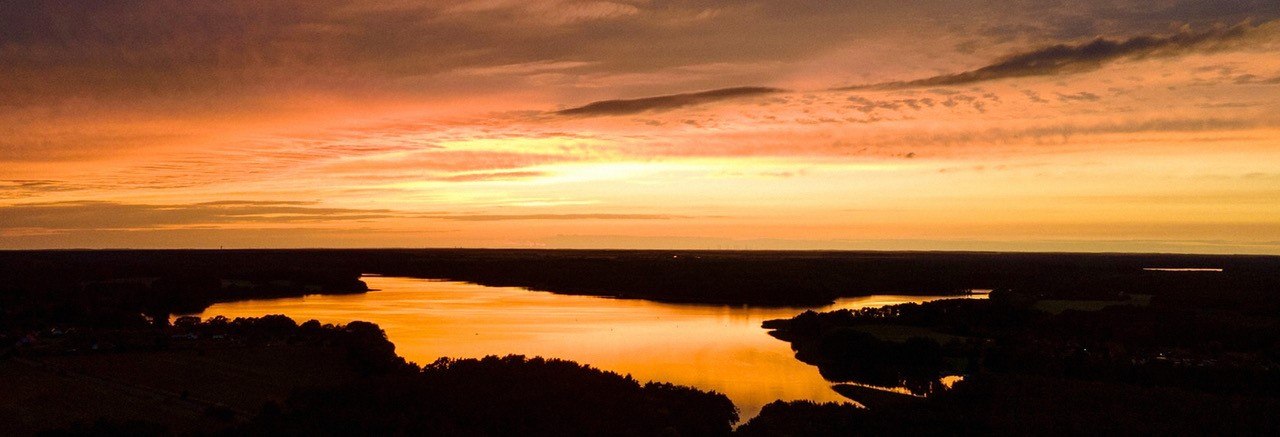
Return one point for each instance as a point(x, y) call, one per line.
point(711, 347)
point(764, 278)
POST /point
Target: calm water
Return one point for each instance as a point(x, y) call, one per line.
point(711, 347)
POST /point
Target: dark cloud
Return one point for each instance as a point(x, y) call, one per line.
point(1083, 96)
point(136, 50)
point(1074, 58)
point(658, 103)
point(130, 66)
point(1253, 79)
point(1046, 61)
point(140, 50)
point(953, 100)
point(866, 106)
point(1034, 96)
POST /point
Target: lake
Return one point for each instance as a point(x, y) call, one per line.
point(712, 347)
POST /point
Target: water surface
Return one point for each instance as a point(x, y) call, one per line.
point(712, 347)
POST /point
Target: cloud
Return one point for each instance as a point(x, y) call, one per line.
point(61, 217)
point(27, 140)
point(492, 176)
point(203, 237)
point(1075, 58)
point(20, 188)
point(1253, 79)
point(101, 79)
point(450, 161)
point(658, 103)
point(982, 141)
point(1045, 61)
point(505, 217)
point(114, 215)
point(1083, 96)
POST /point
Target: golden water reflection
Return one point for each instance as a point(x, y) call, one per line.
point(712, 347)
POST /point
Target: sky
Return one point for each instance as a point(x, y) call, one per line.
point(1136, 126)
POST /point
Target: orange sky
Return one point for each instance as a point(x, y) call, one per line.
point(1028, 125)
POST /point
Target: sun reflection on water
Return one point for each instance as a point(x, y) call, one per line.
point(712, 347)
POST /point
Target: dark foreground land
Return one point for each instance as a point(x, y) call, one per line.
point(1132, 367)
point(1067, 344)
point(271, 376)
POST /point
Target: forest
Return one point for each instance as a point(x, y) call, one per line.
point(1065, 344)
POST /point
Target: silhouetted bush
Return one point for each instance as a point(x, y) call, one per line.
point(501, 396)
point(805, 418)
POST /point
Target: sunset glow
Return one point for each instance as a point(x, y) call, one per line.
point(650, 341)
point(1098, 126)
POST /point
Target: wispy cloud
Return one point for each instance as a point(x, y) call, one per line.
point(20, 188)
point(1075, 58)
point(476, 161)
point(116, 215)
point(505, 217)
point(492, 176)
point(1046, 61)
point(1252, 79)
point(104, 215)
point(671, 101)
